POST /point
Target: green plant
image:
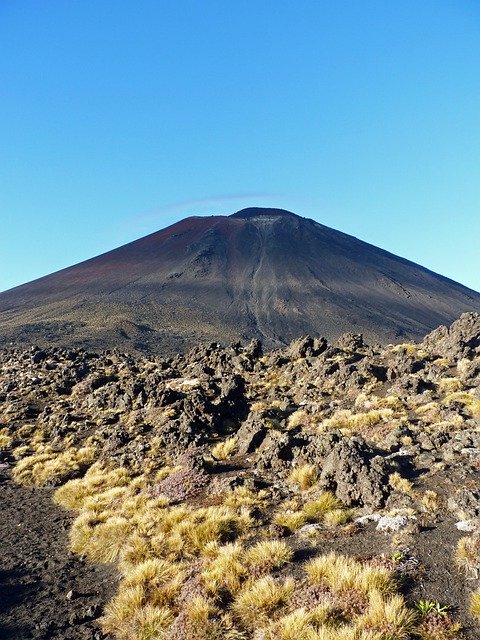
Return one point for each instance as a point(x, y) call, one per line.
point(429, 606)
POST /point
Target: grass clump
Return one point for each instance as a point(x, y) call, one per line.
point(48, 466)
point(231, 565)
point(290, 519)
point(387, 617)
point(316, 509)
point(260, 601)
point(430, 501)
point(225, 571)
point(400, 484)
point(5, 439)
point(96, 481)
point(341, 573)
point(243, 496)
point(128, 616)
point(467, 555)
point(449, 385)
point(224, 450)
point(267, 555)
point(475, 604)
point(327, 508)
point(304, 476)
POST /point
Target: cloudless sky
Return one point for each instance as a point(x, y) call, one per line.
point(119, 117)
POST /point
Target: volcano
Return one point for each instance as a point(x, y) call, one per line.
point(259, 273)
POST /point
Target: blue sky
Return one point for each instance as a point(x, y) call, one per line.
point(119, 117)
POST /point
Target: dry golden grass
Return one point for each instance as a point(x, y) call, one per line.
point(260, 601)
point(337, 517)
point(292, 520)
point(467, 555)
point(226, 570)
point(304, 476)
point(243, 496)
point(299, 624)
point(214, 524)
point(462, 397)
point(316, 509)
point(118, 613)
point(99, 541)
point(129, 617)
point(400, 484)
point(409, 348)
point(298, 418)
point(224, 450)
point(348, 422)
point(159, 579)
point(387, 617)
point(341, 573)
point(47, 465)
point(430, 501)
point(475, 604)
point(268, 555)
point(5, 439)
point(449, 385)
point(73, 494)
point(442, 363)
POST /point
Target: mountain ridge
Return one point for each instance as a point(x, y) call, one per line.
point(258, 273)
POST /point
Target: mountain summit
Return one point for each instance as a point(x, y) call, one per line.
point(259, 273)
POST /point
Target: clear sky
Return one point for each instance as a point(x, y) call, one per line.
point(119, 117)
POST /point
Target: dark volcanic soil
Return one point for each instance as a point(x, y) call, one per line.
point(45, 591)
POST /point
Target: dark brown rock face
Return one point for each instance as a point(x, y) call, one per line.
point(261, 273)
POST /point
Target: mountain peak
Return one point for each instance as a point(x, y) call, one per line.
point(262, 273)
point(254, 212)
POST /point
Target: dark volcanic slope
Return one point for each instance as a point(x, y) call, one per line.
point(263, 273)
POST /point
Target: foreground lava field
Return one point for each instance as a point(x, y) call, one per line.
point(318, 492)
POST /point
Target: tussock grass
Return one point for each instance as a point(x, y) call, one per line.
point(467, 555)
point(243, 496)
point(326, 508)
point(449, 385)
point(290, 519)
point(299, 625)
point(305, 476)
point(224, 450)
point(160, 580)
point(475, 604)
point(226, 571)
point(430, 501)
point(408, 348)
point(400, 484)
point(316, 509)
point(5, 439)
point(341, 573)
point(462, 397)
point(298, 418)
point(387, 617)
point(128, 617)
point(49, 466)
point(267, 555)
point(260, 601)
point(347, 421)
point(337, 517)
point(231, 565)
point(73, 494)
point(99, 541)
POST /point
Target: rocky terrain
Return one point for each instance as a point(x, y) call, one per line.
point(266, 274)
point(322, 491)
